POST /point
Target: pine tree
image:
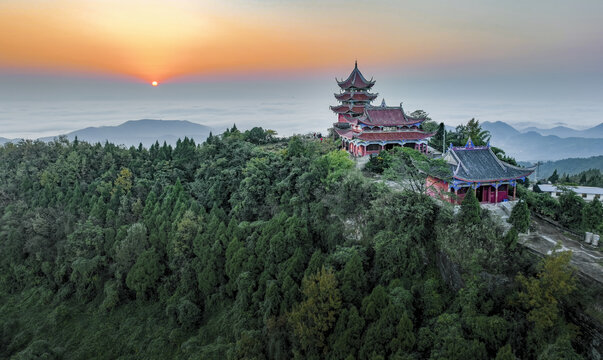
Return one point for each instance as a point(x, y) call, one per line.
point(520, 217)
point(470, 209)
point(145, 273)
point(353, 281)
point(505, 353)
point(554, 178)
point(313, 318)
point(592, 216)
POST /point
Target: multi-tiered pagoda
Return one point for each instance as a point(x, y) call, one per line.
point(366, 129)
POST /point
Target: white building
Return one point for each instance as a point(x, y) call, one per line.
point(588, 193)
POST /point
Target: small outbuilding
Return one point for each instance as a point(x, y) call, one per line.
point(588, 193)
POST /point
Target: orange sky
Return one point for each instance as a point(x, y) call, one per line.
point(159, 40)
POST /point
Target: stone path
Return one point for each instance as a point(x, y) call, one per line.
point(546, 237)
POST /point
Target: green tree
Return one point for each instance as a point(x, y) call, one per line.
point(470, 209)
point(592, 216)
point(347, 335)
point(554, 177)
point(570, 209)
point(561, 349)
point(505, 353)
point(542, 294)
point(143, 276)
point(128, 249)
point(353, 282)
point(410, 168)
point(405, 338)
point(437, 141)
point(315, 316)
point(473, 130)
point(520, 217)
point(396, 255)
point(123, 182)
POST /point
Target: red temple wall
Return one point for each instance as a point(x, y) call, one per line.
point(503, 193)
point(437, 188)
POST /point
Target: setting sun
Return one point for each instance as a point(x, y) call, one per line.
point(154, 83)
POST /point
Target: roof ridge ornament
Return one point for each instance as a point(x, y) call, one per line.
point(469, 144)
point(402, 109)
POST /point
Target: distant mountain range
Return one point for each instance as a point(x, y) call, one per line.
point(565, 132)
point(567, 166)
point(523, 146)
point(132, 133)
point(532, 146)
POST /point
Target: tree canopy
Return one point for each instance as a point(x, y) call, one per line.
point(249, 246)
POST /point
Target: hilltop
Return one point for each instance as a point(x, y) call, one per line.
point(145, 131)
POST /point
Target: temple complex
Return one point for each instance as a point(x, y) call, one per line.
point(365, 129)
point(477, 168)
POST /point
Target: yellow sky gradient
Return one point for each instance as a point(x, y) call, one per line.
point(160, 40)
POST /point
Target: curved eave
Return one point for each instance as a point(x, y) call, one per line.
point(344, 86)
point(343, 109)
point(492, 180)
point(404, 136)
point(370, 123)
point(349, 96)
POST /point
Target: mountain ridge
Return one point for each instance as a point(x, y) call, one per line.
point(595, 132)
point(532, 146)
point(135, 132)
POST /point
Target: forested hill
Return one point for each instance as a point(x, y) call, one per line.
point(568, 166)
point(249, 248)
point(145, 132)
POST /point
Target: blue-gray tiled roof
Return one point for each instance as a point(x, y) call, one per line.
point(480, 164)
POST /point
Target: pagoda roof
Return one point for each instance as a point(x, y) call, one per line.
point(346, 133)
point(479, 164)
point(390, 136)
point(357, 96)
point(356, 80)
point(388, 116)
point(347, 118)
point(343, 109)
